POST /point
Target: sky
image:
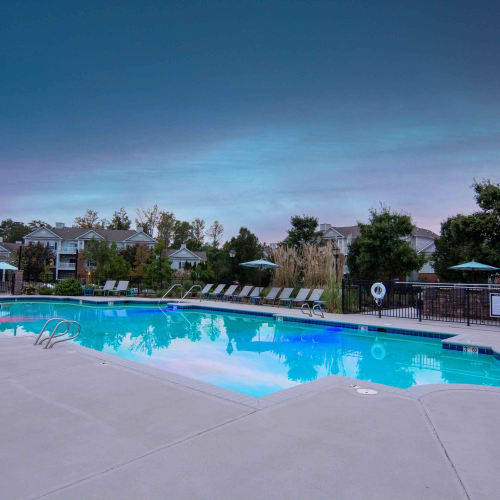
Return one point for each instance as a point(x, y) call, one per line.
point(248, 112)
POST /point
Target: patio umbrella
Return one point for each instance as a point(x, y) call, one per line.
point(260, 265)
point(5, 266)
point(474, 266)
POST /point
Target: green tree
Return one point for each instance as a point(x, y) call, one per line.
point(382, 250)
point(117, 267)
point(142, 258)
point(303, 232)
point(89, 220)
point(183, 232)
point(166, 228)
point(36, 223)
point(34, 258)
point(158, 271)
point(12, 231)
point(97, 254)
point(198, 230)
point(120, 220)
point(471, 237)
point(247, 248)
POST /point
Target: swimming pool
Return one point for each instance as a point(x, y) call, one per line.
point(255, 354)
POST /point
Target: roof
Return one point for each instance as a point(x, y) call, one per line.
point(73, 233)
point(11, 247)
point(353, 232)
point(200, 254)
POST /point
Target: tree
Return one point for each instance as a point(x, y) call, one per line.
point(382, 250)
point(117, 267)
point(35, 224)
point(12, 231)
point(120, 220)
point(215, 233)
point(183, 231)
point(148, 219)
point(166, 228)
point(198, 230)
point(97, 254)
point(90, 220)
point(142, 256)
point(158, 270)
point(303, 231)
point(34, 258)
point(247, 248)
point(471, 237)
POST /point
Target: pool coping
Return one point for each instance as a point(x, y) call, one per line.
point(300, 390)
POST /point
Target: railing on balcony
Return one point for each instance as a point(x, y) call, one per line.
point(67, 265)
point(70, 250)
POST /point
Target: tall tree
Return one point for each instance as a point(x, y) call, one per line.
point(198, 230)
point(158, 271)
point(166, 228)
point(89, 220)
point(382, 250)
point(35, 224)
point(247, 247)
point(148, 219)
point(303, 231)
point(214, 233)
point(182, 234)
point(120, 220)
point(12, 231)
point(471, 237)
point(34, 258)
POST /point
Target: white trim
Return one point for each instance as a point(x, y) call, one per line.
point(33, 233)
point(140, 232)
point(184, 257)
point(425, 248)
point(83, 236)
point(3, 249)
point(331, 228)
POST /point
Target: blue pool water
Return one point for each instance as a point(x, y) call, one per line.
point(255, 355)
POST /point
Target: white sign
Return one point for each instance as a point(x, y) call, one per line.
point(471, 349)
point(495, 304)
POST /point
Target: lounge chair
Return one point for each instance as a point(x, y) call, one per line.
point(255, 295)
point(121, 287)
point(205, 291)
point(108, 287)
point(216, 293)
point(315, 297)
point(243, 294)
point(300, 299)
point(270, 297)
point(285, 294)
point(229, 293)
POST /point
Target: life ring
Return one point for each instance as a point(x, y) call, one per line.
point(378, 351)
point(378, 291)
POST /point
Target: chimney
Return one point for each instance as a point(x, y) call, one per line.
point(324, 227)
point(138, 228)
point(183, 245)
point(59, 225)
point(1, 239)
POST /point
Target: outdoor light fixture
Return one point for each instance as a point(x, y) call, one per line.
point(232, 254)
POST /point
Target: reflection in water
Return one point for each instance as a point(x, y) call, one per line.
point(255, 355)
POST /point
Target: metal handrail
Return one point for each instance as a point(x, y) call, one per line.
point(61, 320)
point(308, 307)
point(318, 307)
point(169, 290)
point(53, 335)
point(189, 291)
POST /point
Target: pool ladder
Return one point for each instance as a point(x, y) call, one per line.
point(314, 310)
point(50, 338)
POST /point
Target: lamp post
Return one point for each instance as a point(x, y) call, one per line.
point(232, 255)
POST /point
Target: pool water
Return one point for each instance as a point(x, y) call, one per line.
point(254, 355)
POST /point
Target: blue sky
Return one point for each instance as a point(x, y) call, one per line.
point(248, 112)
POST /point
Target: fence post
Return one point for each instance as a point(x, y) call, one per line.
point(359, 298)
point(467, 306)
point(342, 296)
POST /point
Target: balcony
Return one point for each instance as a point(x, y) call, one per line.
point(67, 266)
point(67, 250)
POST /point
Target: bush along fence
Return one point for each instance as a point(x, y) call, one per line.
point(457, 303)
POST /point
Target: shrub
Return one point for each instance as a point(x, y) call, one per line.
point(29, 289)
point(45, 290)
point(69, 286)
point(333, 295)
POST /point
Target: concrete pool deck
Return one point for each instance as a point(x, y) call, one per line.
point(77, 423)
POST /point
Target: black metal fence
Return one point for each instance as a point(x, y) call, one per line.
point(458, 303)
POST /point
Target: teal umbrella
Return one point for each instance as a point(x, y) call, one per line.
point(473, 266)
point(260, 264)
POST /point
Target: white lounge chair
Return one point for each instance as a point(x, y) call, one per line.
point(121, 287)
point(217, 292)
point(242, 295)
point(205, 291)
point(228, 294)
point(108, 287)
point(300, 299)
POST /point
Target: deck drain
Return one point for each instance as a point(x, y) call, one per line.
point(367, 391)
point(355, 386)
